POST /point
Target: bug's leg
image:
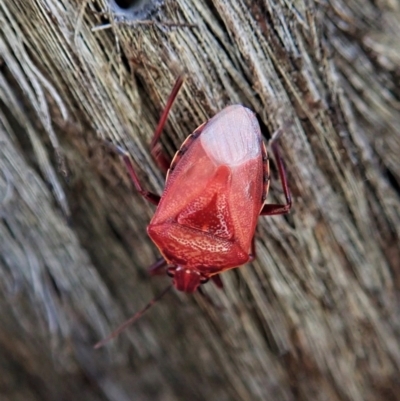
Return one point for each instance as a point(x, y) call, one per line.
point(274, 209)
point(158, 267)
point(216, 279)
point(150, 196)
point(253, 254)
point(162, 160)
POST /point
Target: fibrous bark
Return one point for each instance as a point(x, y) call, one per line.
point(315, 317)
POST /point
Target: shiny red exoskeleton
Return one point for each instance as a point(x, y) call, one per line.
point(216, 187)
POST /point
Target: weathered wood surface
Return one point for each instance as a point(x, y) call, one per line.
point(316, 317)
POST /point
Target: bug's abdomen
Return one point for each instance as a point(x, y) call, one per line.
point(186, 246)
point(214, 229)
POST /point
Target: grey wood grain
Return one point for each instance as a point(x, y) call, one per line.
point(315, 317)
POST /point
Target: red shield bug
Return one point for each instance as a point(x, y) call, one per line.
point(216, 187)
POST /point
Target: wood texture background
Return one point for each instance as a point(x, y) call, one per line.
point(315, 317)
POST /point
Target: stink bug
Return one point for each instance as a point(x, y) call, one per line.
point(216, 187)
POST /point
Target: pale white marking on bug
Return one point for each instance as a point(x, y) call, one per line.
point(232, 136)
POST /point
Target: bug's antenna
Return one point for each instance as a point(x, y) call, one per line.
point(132, 320)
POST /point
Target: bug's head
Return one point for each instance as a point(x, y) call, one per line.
point(186, 280)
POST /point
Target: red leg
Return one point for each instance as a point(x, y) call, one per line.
point(253, 254)
point(151, 197)
point(158, 267)
point(161, 159)
point(217, 281)
point(274, 209)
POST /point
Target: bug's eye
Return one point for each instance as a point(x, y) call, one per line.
point(203, 280)
point(171, 272)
